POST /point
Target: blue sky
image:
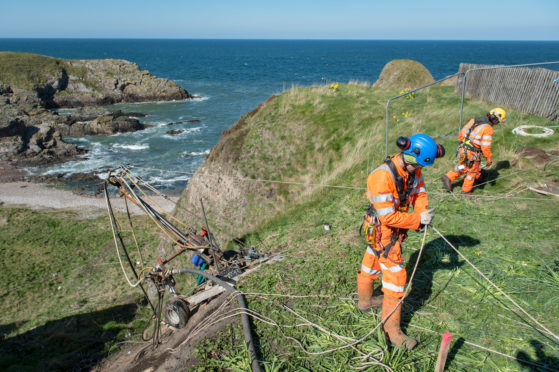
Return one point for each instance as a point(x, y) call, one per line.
point(285, 19)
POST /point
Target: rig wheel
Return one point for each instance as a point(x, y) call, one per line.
point(176, 312)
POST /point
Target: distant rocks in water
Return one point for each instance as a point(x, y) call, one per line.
point(31, 85)
point(185, 122)
point(403, 74)
point(136, 114)
point(89, 182)
point(174, 132)
point(111, 123)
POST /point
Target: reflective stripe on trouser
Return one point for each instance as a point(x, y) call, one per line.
point(472, 174)
point(394, 276)
point(370, 265)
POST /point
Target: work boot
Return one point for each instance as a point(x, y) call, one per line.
point(466, 193)
point(392, 324)
point(447, 183)
point(367, 301)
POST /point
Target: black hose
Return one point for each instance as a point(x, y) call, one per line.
point(242, 303)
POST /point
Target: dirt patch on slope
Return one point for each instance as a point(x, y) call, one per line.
point(176, 351)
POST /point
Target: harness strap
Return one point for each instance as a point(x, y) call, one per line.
point(403, 195)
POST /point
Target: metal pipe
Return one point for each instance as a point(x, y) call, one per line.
point(242, 304)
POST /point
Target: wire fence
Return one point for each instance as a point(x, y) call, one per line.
point(521, 87)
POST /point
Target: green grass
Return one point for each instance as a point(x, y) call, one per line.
point(512, 240)
point(64, 301)
point(31, 71)
point(55, 294)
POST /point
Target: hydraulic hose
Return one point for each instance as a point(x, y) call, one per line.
point(242, 303)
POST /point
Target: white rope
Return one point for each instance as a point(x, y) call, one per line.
point(113, 228)
point(338, 186)
point(258, 179)
point(521, 131)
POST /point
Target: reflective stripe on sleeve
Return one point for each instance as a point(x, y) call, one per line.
point(486, 143)
point(382, 198)
point(470, 177)
point(394, 269)
point(383, 211)
point(392, 287)
point(421, 189)
point(369, 271)
point(418, 181)
point(487, 137)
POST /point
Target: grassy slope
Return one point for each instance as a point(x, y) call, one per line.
point(513, 241)
point(64, 301)
point(342, 136)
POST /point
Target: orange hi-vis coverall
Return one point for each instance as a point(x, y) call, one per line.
point(480, 140)
point(393, 215)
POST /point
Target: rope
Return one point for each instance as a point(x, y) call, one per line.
point(497, 288)
point(341, 186)
point(259, 179)
point(114, 229)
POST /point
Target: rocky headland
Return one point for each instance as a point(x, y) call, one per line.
point(32, 86)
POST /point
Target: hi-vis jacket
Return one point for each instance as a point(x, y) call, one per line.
point(481, 136)
point(383, 194)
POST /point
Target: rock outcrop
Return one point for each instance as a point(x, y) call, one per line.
point(108, 123)
point(114, 81)
point(31, 85)
point(76, 83)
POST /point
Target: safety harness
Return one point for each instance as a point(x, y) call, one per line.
point(467, 145)
point(371, 225)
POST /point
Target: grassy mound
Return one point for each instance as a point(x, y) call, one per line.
point(404, 73)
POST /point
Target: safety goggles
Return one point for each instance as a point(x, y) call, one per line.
point(410, 159)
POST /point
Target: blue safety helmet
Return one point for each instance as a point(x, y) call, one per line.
point(422, 147)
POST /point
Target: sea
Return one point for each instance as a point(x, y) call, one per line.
point(231, 77)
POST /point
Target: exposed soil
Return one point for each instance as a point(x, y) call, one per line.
point(176, 351)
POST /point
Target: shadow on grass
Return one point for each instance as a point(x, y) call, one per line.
point(73, 343)
point(488, 177)
point(437, 255)
point(456, 346)
point(527, 363)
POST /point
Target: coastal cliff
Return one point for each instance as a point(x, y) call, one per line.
point(76, 83)
point(31, 85)
point(304, 136)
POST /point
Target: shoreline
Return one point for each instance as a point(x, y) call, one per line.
point(45, 197)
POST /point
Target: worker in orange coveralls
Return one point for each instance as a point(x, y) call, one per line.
point(475, 140)
point(391, 189)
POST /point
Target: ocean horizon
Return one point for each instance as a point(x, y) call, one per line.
point(233, 76)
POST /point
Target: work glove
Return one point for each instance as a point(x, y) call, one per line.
point(427, 216)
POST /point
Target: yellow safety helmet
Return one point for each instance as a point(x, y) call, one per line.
point(497, 114)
